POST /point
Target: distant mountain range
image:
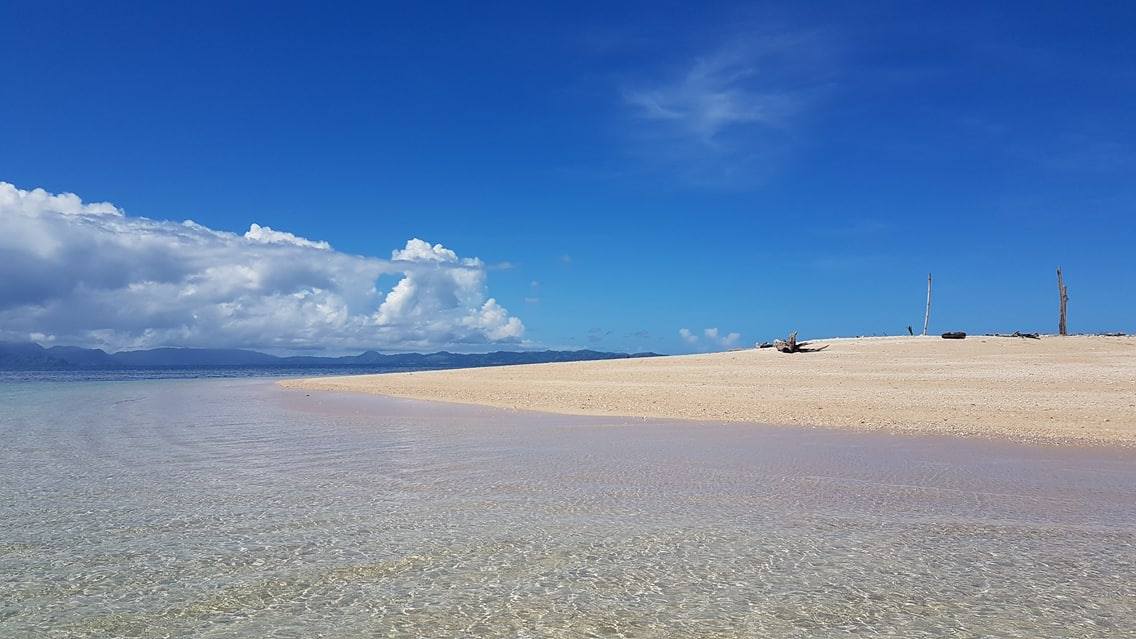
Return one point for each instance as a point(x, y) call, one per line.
point(29, 356)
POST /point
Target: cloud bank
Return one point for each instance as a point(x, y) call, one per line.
point(87, 273)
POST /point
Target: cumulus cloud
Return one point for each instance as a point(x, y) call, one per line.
point(710, 336)
point(87, 273)
point(268, 235)
point(729, 339)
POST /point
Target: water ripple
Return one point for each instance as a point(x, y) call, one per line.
point(230, 508)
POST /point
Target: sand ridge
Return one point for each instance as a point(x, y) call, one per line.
point(1077, 389)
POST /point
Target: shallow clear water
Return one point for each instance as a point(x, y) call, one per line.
point(184, 372)
point(230, 508)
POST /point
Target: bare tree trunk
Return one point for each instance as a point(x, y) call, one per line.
point(1063, 298)
point(927, 312)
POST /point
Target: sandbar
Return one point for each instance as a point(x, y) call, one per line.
point(1077, 390)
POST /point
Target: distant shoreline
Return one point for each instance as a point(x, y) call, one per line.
point(1077, 390)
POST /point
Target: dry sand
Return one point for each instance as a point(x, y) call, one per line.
point(1079, 390)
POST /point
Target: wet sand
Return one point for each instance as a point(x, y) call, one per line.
point(1079, 390)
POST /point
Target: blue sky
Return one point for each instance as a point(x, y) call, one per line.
point(622, 172)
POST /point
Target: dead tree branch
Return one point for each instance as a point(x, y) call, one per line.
point(791, 345)
point(1063, 303)
point(927, 311)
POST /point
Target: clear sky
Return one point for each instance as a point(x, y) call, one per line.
point(622, 172)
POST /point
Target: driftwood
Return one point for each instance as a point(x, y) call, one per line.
point(791, 345)
point(1019, 334)
point(954, 335)
point(764, 345)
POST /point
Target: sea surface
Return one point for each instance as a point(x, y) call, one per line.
point(187, 372)
point(232, 508)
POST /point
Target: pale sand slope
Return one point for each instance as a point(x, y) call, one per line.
point(1057, 389)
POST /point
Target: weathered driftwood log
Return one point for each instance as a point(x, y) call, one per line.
point(791, 345)
point(787, 345)
point(1019, 334)
point(954, 335)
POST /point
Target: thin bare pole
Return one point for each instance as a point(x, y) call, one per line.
point(1063, 303)
point(927, 312)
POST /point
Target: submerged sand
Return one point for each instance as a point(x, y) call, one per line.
point(1079, 389)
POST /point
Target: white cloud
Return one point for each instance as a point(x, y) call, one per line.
point(268, 235)
point(713, 337)
point(726, 116)
point(417, 250)
point(86, 273)
point(495, 322)
point(39, 201)
point(714, 93)
point(441, 291)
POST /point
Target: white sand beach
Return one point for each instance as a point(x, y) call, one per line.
point(1079, 389)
